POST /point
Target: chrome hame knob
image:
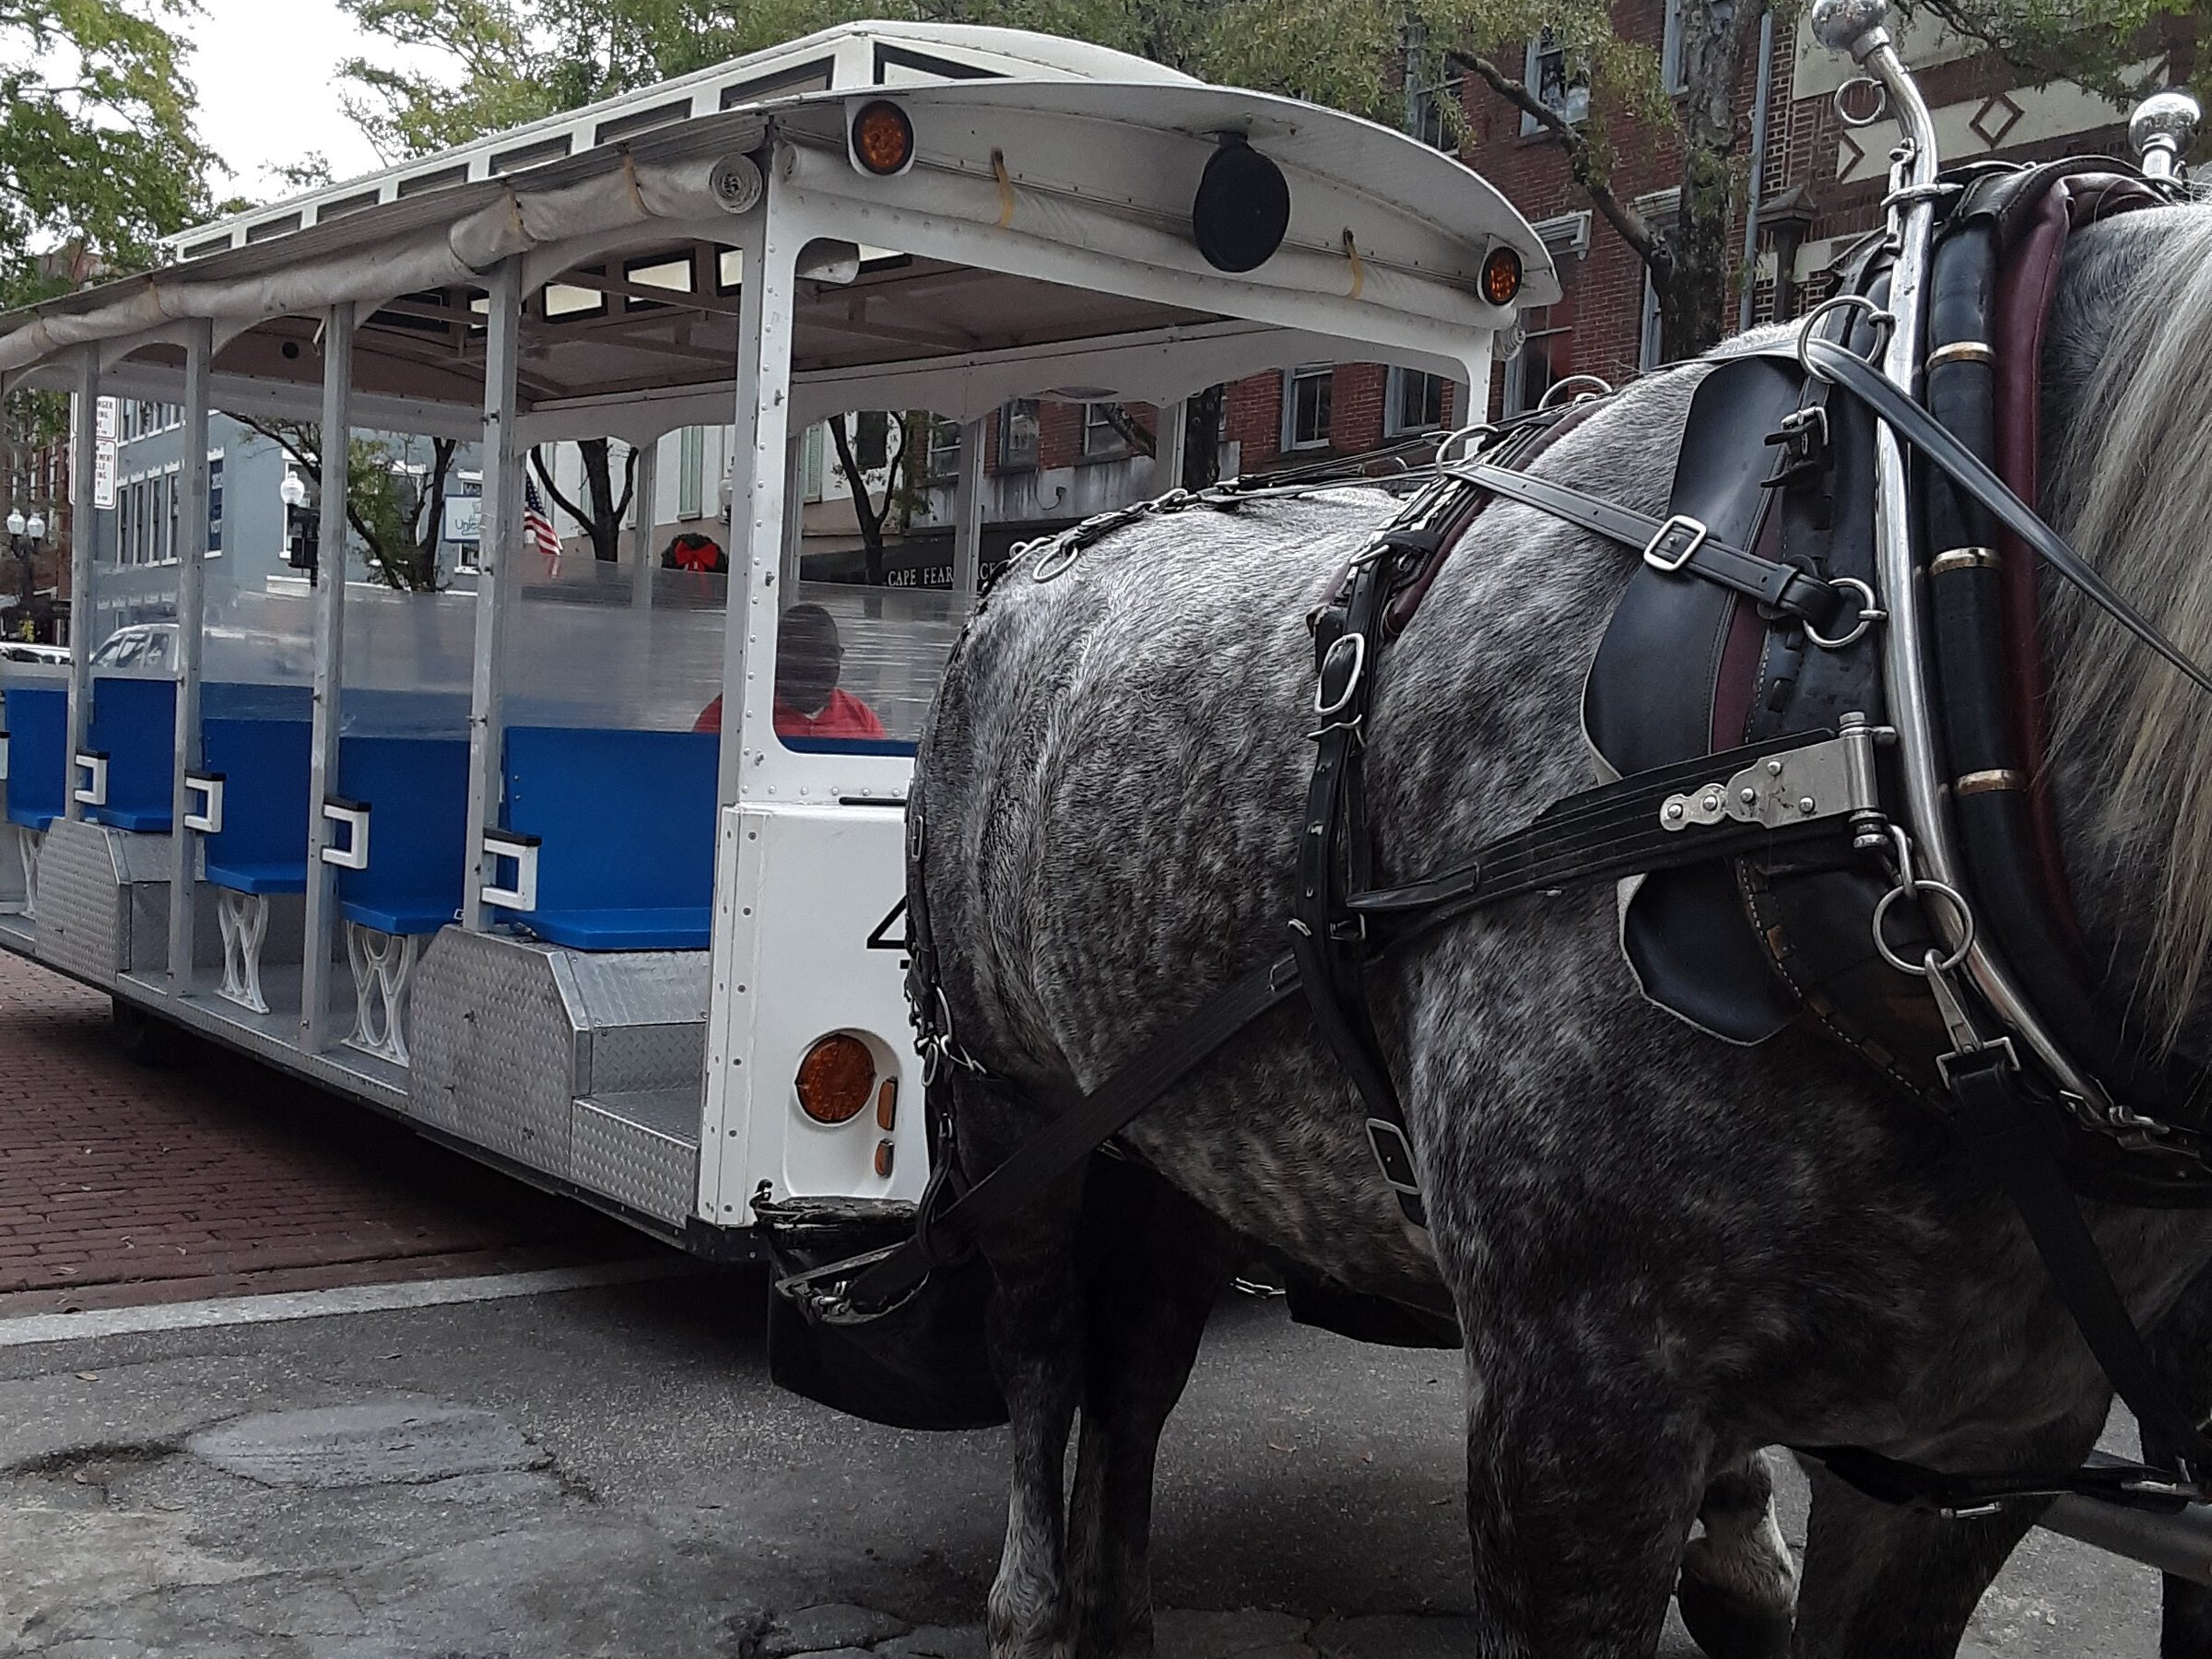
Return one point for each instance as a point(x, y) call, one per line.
point(1857, 27)
point(2161, 130)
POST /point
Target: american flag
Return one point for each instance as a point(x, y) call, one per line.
point(537, 526)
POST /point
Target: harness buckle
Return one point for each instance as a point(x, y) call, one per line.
point(1325, 706)
point(1803, 437)
point(1676, 542)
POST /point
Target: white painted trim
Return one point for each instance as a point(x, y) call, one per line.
point(33, 1328)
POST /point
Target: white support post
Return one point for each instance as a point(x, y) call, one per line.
point(498, 571)
point(647, 505)
point(84, 608)
point(192, 591)
point(337, 438)
point(968, 516)
point(760, 465)
point(1168, 445)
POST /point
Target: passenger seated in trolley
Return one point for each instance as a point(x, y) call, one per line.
point(809, 657)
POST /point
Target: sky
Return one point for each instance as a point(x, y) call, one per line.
point(266, 74)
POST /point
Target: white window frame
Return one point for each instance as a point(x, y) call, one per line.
point(1511, 403)
point(1393, 399)
point(1114, 446)
point(1007, 461)
point(1322, 372)
point(814, 462)
point(691, 468)
point(1449, 130)
point(1576, 106)
point(218, 491)
point(1670, 52)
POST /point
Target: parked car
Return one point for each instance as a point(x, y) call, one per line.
point(151, 646)
point(24, 651)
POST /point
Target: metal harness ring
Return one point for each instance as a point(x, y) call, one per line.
point(1876, 316)
point(1909, 889)
point(1551, 397)
point(1066, 551)
point(1870, 612)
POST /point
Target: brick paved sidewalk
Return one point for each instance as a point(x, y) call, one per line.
point(222, 1176)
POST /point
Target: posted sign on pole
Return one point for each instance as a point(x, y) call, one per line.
point(104, 453)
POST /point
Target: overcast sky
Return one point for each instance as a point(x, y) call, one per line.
point(265, 72)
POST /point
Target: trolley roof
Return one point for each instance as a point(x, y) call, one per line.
point(1071, 164)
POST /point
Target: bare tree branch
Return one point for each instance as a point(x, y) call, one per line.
point(545, 476)
point(1581, 158)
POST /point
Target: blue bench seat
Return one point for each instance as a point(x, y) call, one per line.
point(625, 825)
point(678, 927)
point(261, 847)
point(37, 722)
point(417, 793)
point(135, 724)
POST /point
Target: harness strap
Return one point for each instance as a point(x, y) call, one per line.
point(1598, 835)
point(1922, 431)
point(2010, 1143)
point(1676, 544)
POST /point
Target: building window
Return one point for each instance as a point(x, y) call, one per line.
point(1017, 435)
point(124, 524)
point(1440, 113)
point(1100, 437)
point(1542, 362)
point(1306, 396)
point(158, 519)
point(175, 492)
point(1661, 211)
point(691, 471)
point(941, 459)
point(814, 462)
point(215, 504)
point(149, 418)
point(1546, 70)
point(1413, 402)
point(1670, 51)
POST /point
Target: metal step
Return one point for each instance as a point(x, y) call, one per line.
point(640, 1148)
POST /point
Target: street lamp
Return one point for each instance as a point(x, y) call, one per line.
point(24, 534)
point(303, 529)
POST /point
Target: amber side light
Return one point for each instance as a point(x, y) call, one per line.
point(883, 138)
point(883, 1159)
point(887, 1105)
point(835, 1079)
point(1502, 276)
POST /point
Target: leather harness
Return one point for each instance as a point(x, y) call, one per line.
point(1737, 701)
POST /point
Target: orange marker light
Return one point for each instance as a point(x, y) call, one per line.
point(883, 1159)
point(883, 138)
point(1502, 276)
point(836, 1078)
point(887, 1105)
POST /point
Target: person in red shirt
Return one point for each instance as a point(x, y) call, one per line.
point(809, 657)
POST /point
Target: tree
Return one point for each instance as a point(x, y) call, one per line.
point(899, 491)
point(400, 525)
point(98, 154)
point(603, 520)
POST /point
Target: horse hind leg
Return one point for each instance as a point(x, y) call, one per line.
point(1146, 1312)
point(1738, 1588)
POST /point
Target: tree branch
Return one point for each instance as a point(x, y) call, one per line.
point(1582, 158)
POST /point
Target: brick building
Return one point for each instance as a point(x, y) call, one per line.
point(1819, 184)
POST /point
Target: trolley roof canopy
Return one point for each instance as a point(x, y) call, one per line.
point(1041, 243)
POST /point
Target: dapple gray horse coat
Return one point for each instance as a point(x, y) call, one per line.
point(1665, 1253)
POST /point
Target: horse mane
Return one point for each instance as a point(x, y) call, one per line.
point(2128, 383)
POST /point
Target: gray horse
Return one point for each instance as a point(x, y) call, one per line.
point(1665, 1253)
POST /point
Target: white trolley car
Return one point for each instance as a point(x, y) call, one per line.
point(462, 855)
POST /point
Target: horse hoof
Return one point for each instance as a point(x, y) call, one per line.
point(1727, 1627)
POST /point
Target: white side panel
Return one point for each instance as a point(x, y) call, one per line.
point(807, 886)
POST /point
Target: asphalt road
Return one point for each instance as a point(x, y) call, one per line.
point(608, 1471)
